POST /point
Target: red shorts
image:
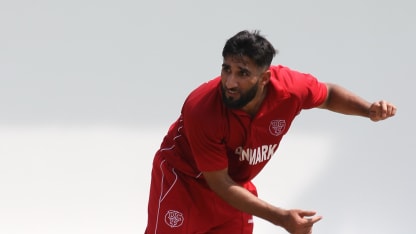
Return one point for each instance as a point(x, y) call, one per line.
point(182, 204)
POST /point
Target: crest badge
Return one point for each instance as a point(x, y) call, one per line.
point(277, 127)
point(173, 218)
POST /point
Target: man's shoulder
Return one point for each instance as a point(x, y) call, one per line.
point(205, 98)
point(287, 76)
point(281, 70)
point(204, 110)
point(205, 91)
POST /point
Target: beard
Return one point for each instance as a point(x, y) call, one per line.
point(244, 99)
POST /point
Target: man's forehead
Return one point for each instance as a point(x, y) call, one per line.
point(241, 61)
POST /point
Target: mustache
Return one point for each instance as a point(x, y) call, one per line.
point(230, 89)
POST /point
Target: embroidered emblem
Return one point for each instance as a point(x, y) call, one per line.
point(277, 127)
point(173, 218)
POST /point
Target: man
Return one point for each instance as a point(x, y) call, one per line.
point(228, 129)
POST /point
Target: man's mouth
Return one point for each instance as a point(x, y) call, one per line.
point(232, 91)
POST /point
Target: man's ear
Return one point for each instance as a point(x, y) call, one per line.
point(265, 78)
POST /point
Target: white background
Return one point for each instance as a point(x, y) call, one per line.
point(88, 89)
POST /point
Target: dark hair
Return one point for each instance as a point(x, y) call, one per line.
point(252, 45)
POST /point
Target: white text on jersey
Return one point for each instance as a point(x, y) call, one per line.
point(256, 155)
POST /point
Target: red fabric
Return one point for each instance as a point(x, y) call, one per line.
point(208, 136)
point(179, 204)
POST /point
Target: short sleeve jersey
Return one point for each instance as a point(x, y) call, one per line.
point(208, 136)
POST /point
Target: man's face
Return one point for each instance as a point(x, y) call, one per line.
point(240, 79)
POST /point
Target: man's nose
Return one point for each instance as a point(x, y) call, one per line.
point(231, 81)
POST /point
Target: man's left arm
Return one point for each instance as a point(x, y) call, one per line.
point(344, 101)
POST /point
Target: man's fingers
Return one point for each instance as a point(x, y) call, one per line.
point(313, 219)
point(391, 110)
point(382, 110)
point(302, 221)
point(309, 216)
point(303, 213)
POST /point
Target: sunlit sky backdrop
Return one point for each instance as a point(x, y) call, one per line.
point(88, 89)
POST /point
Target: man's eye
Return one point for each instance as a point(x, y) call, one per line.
point(244, 73)
point(226, 69)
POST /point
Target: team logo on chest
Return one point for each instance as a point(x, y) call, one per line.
point(173, 218)
point(277, 127)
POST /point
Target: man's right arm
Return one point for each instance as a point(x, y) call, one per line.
point(294, 221)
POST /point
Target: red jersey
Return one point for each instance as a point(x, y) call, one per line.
point(208, 136)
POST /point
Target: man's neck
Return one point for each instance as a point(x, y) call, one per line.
point(253, 107)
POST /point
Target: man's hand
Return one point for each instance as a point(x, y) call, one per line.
point(381, 110)
point(300, 221)
point(294, 221)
